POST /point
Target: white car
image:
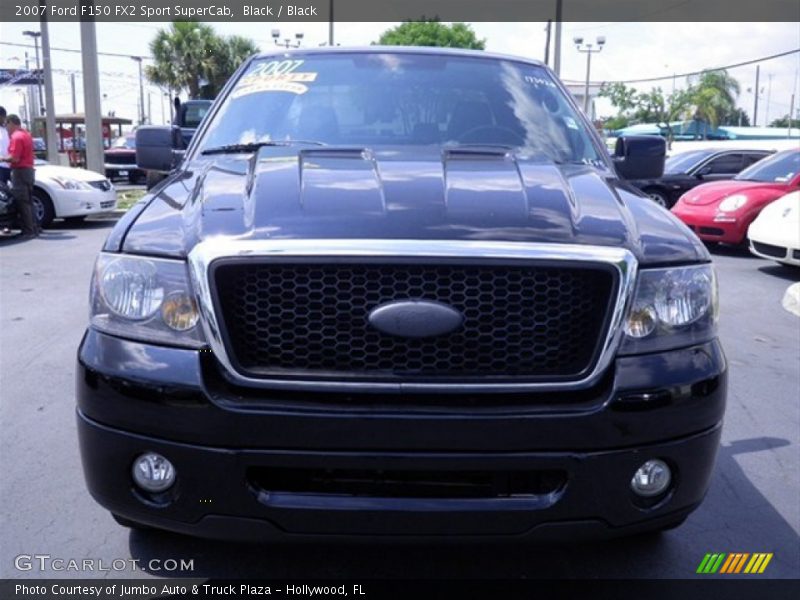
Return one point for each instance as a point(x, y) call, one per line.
point(68, 193)
point(775, 234)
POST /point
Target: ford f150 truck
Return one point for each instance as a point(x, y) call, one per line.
point(399, 292)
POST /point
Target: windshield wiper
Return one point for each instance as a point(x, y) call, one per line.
point(255, 146)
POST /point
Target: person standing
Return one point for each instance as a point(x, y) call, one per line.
point(5, 170)
point(20, 156)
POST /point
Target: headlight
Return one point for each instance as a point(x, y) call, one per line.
point(148, 299)
point(71, 184)
point(733, 203)
point(671, 308)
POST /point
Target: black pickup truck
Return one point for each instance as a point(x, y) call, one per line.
point(399, 292)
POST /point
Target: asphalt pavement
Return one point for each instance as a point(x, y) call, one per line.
point(752, 505)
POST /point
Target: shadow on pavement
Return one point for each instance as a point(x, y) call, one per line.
point(782, 271)
point(736, 517)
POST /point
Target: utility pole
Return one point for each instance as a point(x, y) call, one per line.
point(91, 98)
point(149, 111)
point(547, 42)
point(769, 93)
point(74, 99)
point(50, 113)
point(32, 105)
point(755, 93)
point(557, 49)
point(36, 35)
point(138, 59)
point(330, 26)
point(588, 49)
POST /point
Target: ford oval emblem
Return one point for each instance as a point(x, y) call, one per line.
point(415, 318)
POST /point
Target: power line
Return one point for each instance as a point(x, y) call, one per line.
point(74, 50)
point(676, 75)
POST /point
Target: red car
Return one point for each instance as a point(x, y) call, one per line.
point(722, 211)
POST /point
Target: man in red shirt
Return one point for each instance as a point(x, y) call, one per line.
point(20, 157)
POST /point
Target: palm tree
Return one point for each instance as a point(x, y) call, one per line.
point(184, 57)
point(714, 96)
point(229, 53)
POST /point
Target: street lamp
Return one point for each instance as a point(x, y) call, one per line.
point(36, 35)
point(138, 59)
point(287, 42)
point(588, 49)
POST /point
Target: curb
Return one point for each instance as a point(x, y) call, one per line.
point(791, 299)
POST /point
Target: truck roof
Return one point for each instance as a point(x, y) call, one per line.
point(397, 50)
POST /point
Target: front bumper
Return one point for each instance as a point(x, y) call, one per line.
point(78, 203)
point(134, 398)
point(707, 229)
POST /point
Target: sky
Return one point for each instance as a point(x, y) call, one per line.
point(632, 51)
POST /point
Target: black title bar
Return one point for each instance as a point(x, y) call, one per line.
point(397, 10)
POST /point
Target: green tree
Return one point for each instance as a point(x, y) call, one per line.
point(785, 122)
point(190, 56)
point(430, 32)
point(714, 97)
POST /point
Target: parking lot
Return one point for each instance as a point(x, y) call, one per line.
point(752, 505)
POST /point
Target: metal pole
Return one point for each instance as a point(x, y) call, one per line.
point(74, 98)
point(39, 75)
point(755, 93)
point(330, 26)
point(91, 98)
point(141, 90)
point(557, 49)
point(149, 108)
point(769, 93)
point(547, 42)
point(586, 89)
point(50, 113)
point(163, 116)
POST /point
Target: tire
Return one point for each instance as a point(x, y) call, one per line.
point(75, 220)
point(43, 208)
point(659, 197)
point(131, 524)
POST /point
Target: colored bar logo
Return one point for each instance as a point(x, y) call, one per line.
point(735, 562)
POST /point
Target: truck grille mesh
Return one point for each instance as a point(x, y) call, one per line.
point(520, 321)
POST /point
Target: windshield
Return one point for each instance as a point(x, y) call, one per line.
point(778, 168)
point(194, 115)
point(681, 163)
point(378, 99)
point(125, 142)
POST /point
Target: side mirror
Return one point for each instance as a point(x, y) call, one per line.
point(703, 172)
point(158, 148)
point(640, 156)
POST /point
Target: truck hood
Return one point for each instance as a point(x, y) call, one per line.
point(427, 193)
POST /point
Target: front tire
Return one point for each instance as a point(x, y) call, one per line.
point(659, 197)
point(43, 210)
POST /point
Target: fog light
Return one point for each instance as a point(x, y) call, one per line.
point(651, 479)
point(153, 473)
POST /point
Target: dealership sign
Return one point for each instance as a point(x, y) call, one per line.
point(20, 76)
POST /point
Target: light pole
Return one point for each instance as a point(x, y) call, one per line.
point(138, 59)
point(588, 49)
point(287, 42)
point(36, 35)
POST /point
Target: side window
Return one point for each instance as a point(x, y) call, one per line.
point(728, 164)
point(749, 159)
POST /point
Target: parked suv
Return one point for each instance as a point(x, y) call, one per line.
point(393, 291)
